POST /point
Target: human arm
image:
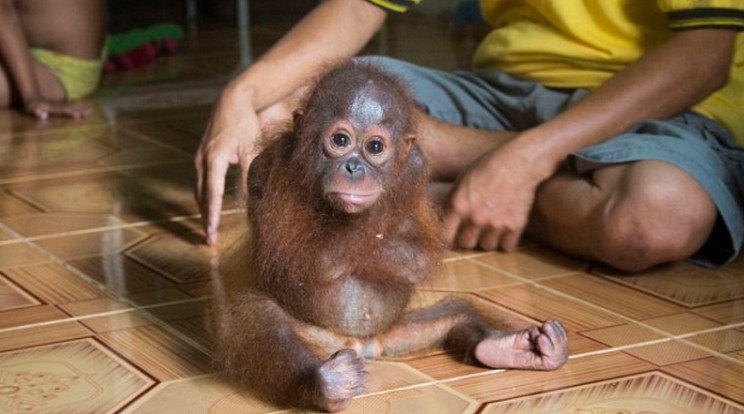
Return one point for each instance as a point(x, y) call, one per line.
point(490, 204)
point(334, 30)
point(20, 69)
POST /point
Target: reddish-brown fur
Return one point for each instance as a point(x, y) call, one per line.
point(330, 275)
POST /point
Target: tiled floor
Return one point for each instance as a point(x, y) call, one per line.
point(102, 275)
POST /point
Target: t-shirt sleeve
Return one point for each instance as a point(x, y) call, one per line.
point(699, 14)
point(399, 6)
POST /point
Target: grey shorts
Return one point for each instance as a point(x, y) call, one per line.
point(696, 144)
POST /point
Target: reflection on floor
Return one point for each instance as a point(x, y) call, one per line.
point(102, 274)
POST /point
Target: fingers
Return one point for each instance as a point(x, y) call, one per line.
point(489, 239)
point(77, 111)
point(467, 235)
point(451, 226)
point(42, 110)
point(245, 165)
point(214, 191)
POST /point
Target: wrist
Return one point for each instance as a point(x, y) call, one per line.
point(536, 155)
point(238, 92)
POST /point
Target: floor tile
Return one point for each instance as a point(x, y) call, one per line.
point(197, 395)
point(533, 263)
point(687, 284)
point(158, 352)
point(120, 273)
point(79, 376)
point(466, 275)
point(720, 376)
point(87, 245)
point(614, 297)
point(648, 393)
point(105, 280)
point(181, 260)
point(37, 333)
point(436, 399)
point(541, 304)
point(53, 283)
point(512, 384)
point(15, 253)
point(12, 296)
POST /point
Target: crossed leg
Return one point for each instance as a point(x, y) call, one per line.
point(631, 216)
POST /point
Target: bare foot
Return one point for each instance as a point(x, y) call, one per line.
point(340, 379)
point(540, 348)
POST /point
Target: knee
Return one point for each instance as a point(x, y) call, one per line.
point(655, 222)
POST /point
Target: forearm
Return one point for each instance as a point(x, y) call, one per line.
point(334, 30)
point(668, 80)
point(14, 53)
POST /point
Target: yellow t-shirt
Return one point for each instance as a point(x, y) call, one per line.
point(581, 43)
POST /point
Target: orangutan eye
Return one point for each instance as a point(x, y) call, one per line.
point(375, 146)
point(340, 140)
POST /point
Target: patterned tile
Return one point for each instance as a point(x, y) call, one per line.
point(150, 193)
point(159, 352)
point(86, 245)
point(533, 262)
point(30, 315)
point(11, 296)
point(506, 385)
point(607, 294)
point(180, 260)
point(648, 393)
point(541, 304)
point(119, 273)
point(687, 284)
point(435, 399)
point(41, 332)
point(16, 254)
point(731, 312)
point(197, 395)
point(466, 275)
point(64, 151)
point(724, 341)
point(11, 206)
point(53, 283)
point(79, 376)
point(46, 224)
point(670, 352)
point(716, 375)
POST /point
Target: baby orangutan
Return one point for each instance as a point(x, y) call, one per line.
point(341, 233)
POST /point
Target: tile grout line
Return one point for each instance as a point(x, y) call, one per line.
point(157, 321)
point(101, 314)
point(77, 173)
point(110, 293)
point(665, 334)
point(147, 138)
point(447, 381)
point(22, 239)
point(134, 307)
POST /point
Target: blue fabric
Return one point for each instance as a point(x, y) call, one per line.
point(692, 142)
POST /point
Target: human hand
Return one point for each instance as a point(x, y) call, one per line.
point(490, 204)
point(43, 109)
point(230, 138)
